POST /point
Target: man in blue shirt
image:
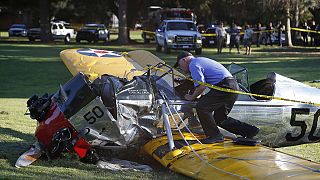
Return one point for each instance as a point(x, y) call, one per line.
point(209, 71)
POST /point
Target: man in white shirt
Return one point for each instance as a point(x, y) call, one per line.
point(221, 34)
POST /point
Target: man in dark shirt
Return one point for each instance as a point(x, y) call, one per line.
point(269, 31)
point(234, 37)
point(258, 32)
point(305, 33)
point(312, 34)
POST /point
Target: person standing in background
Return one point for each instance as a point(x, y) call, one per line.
point(234, 37)
point(221, 34)
point(312, 34)
point(304, 33)
point(247, 39)
point(258, 32)
point(280, 29)
point(269, 31)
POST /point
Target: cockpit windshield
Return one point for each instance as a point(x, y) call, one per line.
point(240, 73)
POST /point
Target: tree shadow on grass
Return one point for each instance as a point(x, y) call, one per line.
point(289, 50)
point(11, 150)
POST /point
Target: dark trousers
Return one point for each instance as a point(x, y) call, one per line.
point(220, 104)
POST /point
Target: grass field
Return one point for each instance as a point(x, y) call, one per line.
point(36, 68)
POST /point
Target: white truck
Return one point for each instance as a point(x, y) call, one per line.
point(178, 34)
point(59, 30)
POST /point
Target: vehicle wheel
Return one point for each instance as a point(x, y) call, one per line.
point(31, 39)
point(165, 48)
point(67, 38)
point(145, 39)
point(158, 47)
point(198, 51)
point(107, 38)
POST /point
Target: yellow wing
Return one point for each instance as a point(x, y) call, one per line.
point(227, 160)
point(95, 63)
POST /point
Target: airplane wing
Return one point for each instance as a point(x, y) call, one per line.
point(227, 160)
point(95, 63)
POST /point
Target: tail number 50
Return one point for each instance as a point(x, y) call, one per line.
point(92, 116)
point(303, 124)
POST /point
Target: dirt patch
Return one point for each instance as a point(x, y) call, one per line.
point(4, 112)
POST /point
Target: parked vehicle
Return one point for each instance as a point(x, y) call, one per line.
point(59, 30)
point(209, 38)
point(93, 32)
point(157, 14)
point(178, 34)
point(34, 33)
point(18, 30)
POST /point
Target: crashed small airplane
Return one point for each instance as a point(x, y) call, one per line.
point(118, 100)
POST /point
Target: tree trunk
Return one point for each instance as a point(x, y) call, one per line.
point(288, 28)
point(296, 14)
point(123, 35)
point(45, 26)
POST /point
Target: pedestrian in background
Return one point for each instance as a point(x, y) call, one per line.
point(221, 34)
point(312, 34)
point(247, 39)
point(269, 31)
point(234, 37)
point(304, 33)
point(258, 32)
point(280, 29)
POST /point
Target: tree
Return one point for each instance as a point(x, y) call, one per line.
point(45, 33)
point(288, 27)
point(123, 35)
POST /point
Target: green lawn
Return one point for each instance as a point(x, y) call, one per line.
point(27, 69)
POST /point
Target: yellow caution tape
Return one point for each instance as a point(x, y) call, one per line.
point(305, 30)
point(234, 91)
point(241, 32)
point(150, 32)
point(208, 34)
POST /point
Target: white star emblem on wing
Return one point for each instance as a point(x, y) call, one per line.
point(99, 53)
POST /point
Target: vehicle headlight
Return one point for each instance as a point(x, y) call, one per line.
point(170, 39)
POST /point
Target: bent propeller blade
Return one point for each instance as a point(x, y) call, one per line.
point(29, 156)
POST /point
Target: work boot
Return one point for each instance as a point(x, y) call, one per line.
point(213, 139)
point(255, 130)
